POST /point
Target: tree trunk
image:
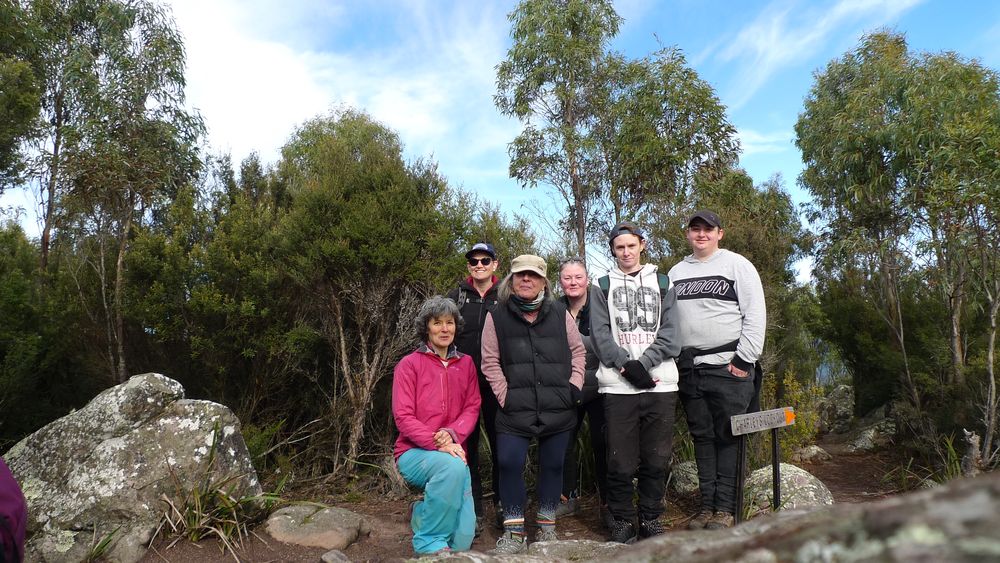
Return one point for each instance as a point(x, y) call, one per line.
point(990, 414)
point(119, 307)
point(956, 300)
point(49, 192)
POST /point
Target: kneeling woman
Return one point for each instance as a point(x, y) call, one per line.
point(533, 358)
point(435, 402)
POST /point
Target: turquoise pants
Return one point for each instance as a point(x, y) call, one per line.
point(446, 516)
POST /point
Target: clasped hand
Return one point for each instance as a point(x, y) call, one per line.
point(444, 443)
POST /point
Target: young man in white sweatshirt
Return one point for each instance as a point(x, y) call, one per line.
point(722, 318)
point(633, 328)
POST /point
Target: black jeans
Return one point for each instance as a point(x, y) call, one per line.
point(512, 454)
point(711, 396)
point(593, 409)
point(640, 433)
point(488, 416)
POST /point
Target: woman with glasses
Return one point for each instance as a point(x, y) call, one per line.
point(435, 404)
point(476, 296)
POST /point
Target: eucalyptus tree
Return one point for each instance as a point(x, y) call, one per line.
point(19, 95)
point(658, 126)
point(900, 149)
point(117, 140)
point(858, 183)
point(546, 82)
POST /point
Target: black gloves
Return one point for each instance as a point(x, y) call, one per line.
point(637, 375)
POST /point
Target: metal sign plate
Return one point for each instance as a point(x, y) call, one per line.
point(763, 420)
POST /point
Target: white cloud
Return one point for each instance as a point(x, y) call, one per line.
point(255, 74)
point(785, 34)
point(753, 142)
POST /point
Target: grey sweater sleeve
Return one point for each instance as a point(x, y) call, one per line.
point(667, 344)
point(608, 352)
point(750, 293)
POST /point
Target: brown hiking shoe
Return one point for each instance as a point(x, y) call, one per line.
point(721, 520)
point(700, 519)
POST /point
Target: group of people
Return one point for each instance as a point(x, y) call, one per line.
point(620, 351)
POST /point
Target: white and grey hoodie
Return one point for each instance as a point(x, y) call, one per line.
point(632, 323)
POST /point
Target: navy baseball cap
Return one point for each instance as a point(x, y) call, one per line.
point(481, 247)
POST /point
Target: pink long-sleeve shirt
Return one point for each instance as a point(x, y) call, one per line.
point(431, 394)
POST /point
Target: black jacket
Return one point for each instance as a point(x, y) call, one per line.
point(592, 363)
point(474, 309)
point(537, 364)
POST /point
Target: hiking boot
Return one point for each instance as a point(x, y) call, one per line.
point(650, 528)
point(700, 519)
point(567, 507)
point(606, 518)
point(623, 532)
point(510, 544)
point(546, 535)
point(720, 520)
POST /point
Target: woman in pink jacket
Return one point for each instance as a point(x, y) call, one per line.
point(435, 402)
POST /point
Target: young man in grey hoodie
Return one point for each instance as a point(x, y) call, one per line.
point(720, 302)
point(633, 329)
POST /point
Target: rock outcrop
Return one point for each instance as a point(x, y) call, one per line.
point(836, 410)
point(954, 522)
point(102, 471)
point(684, 478)
point(799, 489)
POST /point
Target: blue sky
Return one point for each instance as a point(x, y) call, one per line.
point(257, 68)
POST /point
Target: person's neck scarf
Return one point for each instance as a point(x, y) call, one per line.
point(528, 306)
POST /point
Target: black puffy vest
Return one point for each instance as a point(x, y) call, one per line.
point(536, 361)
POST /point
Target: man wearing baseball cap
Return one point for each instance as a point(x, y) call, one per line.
point(633, 329)
point(722, 318)
point(476, 296)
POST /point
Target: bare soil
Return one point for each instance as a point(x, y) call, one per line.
point(852, 478)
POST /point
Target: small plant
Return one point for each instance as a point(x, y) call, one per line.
point(213, 508)
point(100, 547)
point(951, 461)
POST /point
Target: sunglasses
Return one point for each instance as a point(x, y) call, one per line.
point(484, 261)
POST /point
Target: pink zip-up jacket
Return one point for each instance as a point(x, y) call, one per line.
point(428, 396)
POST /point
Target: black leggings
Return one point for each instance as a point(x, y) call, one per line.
point(512, 454)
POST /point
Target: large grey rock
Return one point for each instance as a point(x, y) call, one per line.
point(103, 469)
point(684, 478)
point(314, 526)
point(799, 489)
point(954, 522)
point(836, 410)
point(875, 436)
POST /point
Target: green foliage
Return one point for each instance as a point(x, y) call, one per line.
point(804, 398)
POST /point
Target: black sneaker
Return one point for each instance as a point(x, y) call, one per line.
point(623, 532)
point(650, 528)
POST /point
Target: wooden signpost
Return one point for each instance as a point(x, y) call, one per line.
point(743, 424)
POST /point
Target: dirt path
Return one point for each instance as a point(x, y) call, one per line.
point(852, 478)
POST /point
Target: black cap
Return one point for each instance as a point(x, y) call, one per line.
point(709, 217)
point(481, 247)
point(624, 228)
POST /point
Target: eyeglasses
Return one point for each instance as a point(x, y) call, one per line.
point(485, 261)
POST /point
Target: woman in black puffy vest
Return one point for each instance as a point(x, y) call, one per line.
point(533, 358)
